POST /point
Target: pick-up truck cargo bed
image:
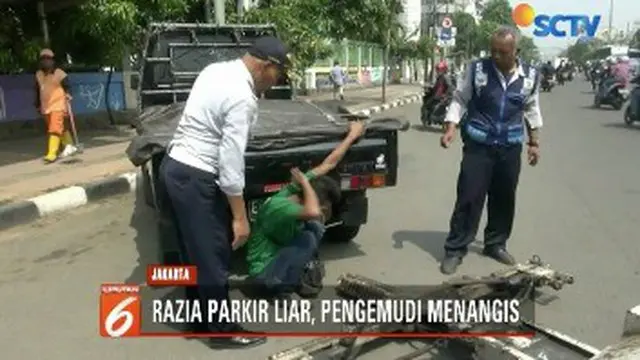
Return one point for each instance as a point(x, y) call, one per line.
point(281, 124)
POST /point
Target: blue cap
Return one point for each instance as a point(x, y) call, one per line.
point(270, 48)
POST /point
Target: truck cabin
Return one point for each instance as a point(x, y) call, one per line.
point(174, 55)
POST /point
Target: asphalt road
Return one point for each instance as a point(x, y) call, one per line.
point(578, 210)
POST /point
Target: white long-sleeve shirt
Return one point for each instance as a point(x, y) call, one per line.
point(464, 91)
point(213, 132)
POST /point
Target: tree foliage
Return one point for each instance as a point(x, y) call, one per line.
point(99, 32)
point(95, 32)
point(299, 23)
point(474, 37)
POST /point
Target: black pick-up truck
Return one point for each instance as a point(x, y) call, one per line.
point(289, 132)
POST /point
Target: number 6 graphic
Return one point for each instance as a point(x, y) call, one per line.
point(118, 312)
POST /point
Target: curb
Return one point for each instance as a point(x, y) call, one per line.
point(22, 212)
point(409, 99)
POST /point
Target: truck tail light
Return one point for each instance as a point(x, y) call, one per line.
point(378, 180)
point(357, 182)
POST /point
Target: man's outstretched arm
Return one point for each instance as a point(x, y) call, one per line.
point(356, 129)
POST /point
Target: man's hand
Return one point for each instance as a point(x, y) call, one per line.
point(298, 177)
point(241, 230)
point(449, 135)
point(356, 129)
point(533, 154)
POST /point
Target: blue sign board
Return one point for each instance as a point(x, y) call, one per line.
point(446, 34)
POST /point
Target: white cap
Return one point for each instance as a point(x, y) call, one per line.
point(624, 58)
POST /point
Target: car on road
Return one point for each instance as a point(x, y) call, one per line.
point(289, 132)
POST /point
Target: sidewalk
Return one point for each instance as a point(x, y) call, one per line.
point(24, 175)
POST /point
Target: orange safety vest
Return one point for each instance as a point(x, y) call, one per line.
point(52, 95)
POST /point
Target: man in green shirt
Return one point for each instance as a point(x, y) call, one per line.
point(289, 225)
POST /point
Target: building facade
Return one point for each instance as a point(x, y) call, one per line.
point(411, 18)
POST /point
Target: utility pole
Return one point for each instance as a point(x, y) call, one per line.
point(42, 14)
point(219, 10)
point(433, 34)
point(610, 32)
point(208, 11)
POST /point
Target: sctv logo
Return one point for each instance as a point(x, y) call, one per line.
point(524, 15)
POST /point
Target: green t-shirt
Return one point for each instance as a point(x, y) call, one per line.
point(276, 224)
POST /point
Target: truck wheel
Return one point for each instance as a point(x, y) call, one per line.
point(147, 187)
point(341, 233)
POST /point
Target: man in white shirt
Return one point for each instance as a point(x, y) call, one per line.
point(203, 171)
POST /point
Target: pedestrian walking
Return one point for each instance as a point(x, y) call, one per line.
point(52, 97)
point(500, 97)
point(337, 77)
point(203, 172)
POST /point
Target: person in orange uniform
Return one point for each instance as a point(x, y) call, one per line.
point(52, 98)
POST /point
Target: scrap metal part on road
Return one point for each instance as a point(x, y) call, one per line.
point(578, 210)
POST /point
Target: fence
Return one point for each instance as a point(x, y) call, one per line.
point(362, 61)
point(91, 92)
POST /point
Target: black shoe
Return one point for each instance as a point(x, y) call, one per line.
point(449, 264)
point(237, 342)
point(500, 255)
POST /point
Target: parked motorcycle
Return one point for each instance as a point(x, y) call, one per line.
point(629, 117)
point(611, 93)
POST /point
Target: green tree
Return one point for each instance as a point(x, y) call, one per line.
point(19, 39)
point(301, 25)
point(96, 32)
point(367, 20)
point(467, 33)
point(635, 40)
point(496, 13)
point(579, 51)
point(528, 49)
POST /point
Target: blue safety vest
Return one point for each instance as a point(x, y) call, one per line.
point(495, 114)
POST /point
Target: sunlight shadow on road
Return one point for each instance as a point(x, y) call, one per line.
point(146, 239)
point(621, 125)
point(431, 242)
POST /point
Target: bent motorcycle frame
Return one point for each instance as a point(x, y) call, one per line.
point(547, 344)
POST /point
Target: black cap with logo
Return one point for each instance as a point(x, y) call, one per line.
point(272, 49)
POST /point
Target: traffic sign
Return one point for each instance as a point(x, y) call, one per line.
point(446, 36)
point(447, 22)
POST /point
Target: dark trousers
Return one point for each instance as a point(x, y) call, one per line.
point(284, 272)
point(485, 172)
point(204, 221)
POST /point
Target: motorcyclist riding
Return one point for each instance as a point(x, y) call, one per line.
point(621, 71)
point(560, 73)
point(441, 91)
point(547, 71)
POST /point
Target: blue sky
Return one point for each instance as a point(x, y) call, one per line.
point(624, 11)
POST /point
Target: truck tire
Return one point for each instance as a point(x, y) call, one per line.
point(341, 233)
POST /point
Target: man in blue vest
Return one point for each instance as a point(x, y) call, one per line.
point(500, 97)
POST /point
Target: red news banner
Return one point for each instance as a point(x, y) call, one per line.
point(160, 309)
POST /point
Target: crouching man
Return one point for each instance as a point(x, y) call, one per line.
point(289, 225)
